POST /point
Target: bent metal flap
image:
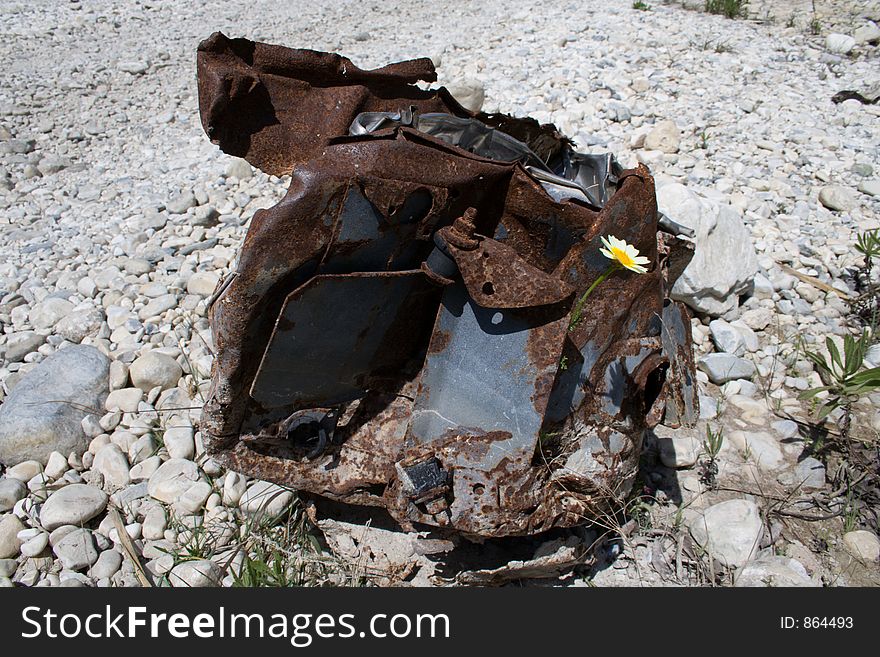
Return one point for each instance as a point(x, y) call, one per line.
point(408, 326)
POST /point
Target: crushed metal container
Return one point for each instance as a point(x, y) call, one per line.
point(398, 330)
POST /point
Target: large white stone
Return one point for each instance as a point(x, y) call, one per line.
point(173, 479)
point(45, 410)
point(724, 261)
point(72, 505)
point(729, 531)
point(155, 369)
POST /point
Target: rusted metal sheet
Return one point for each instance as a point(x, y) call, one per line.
point(399, 331)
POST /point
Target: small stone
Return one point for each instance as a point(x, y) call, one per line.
point(679, 452)
point(469, 93)
point(157, 306)
point(729, 531)
point(19, 345)
point(179, 442)
point(665, 137)
point(773, 571)
point(193, 574)
point(862, 544)
point(77, 549)
point(25, 471)
point(722, 368)
point(757, 447)
point(145, 469)
point(118, 375)
point(155, 369)
point(726, 338)
point(835, 197)
point(202, 283)
point(35, 545)
point(809, 474)
point(867, 33)
point(72, 505)
point(133, 67)
point(10, 544)
point(155, 523)
point(112, 463)
point(173, 479)
point(234, 487)
point(182, 203)
point(193, 500)
point(107, 565)
point(49, 312)
point(125, 400)
point(265, 498)
point(79, 324)
point(57, 464)
point(11, 491)
point(839, 44)
point(870, 187)
point(205, 216)
point(239, 168)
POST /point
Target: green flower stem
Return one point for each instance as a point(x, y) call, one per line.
point(579, 306)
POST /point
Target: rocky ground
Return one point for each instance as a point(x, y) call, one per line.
point(119, 217)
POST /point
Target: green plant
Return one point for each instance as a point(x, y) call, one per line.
point(728, 8)
point(712, 447)
point(815, 26)
point(868, 244)
point(843, 377)
point(641, 6)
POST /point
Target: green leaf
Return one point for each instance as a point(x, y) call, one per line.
point(827, 407)
point(835, 353)
point(812, 392)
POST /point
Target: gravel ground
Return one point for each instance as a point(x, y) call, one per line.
point(119, 217)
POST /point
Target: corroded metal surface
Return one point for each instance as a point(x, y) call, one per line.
point(397, 332)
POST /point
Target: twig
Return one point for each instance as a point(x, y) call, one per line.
point(128, 546)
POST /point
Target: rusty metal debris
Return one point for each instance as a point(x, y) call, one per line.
point(397, 334)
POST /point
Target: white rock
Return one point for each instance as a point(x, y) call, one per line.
point(867, 33)
point(72, 505)
point(125, 399)
point(10, 544)
point(730, 531)
point(112, 463)
point(155, 523)
point(870, 187)
point(757, 447)
point(665, 136)
point(57, 464)
point(862, 544)
point(179, 442)
point(469, 93)
point(18, 345)
point(679, 452)
point(726, 338)
point(722, 368)
point(145, 469)
point(25, 471)
point(264, 497)
point(193, 500)
point(234, 487)
point(107, 565)
point(49, 312)
point(11, 491)
point(173, 479)
point(77, 549)
point(836, 197)
point(773, 571)
point(839, 44)
point(193, 574)
point(78, 324)
point(202, 283)
point(724, 261)
point(155, 369)
point(35, 545)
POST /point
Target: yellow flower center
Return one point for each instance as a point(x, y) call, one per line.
point(622, 257)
